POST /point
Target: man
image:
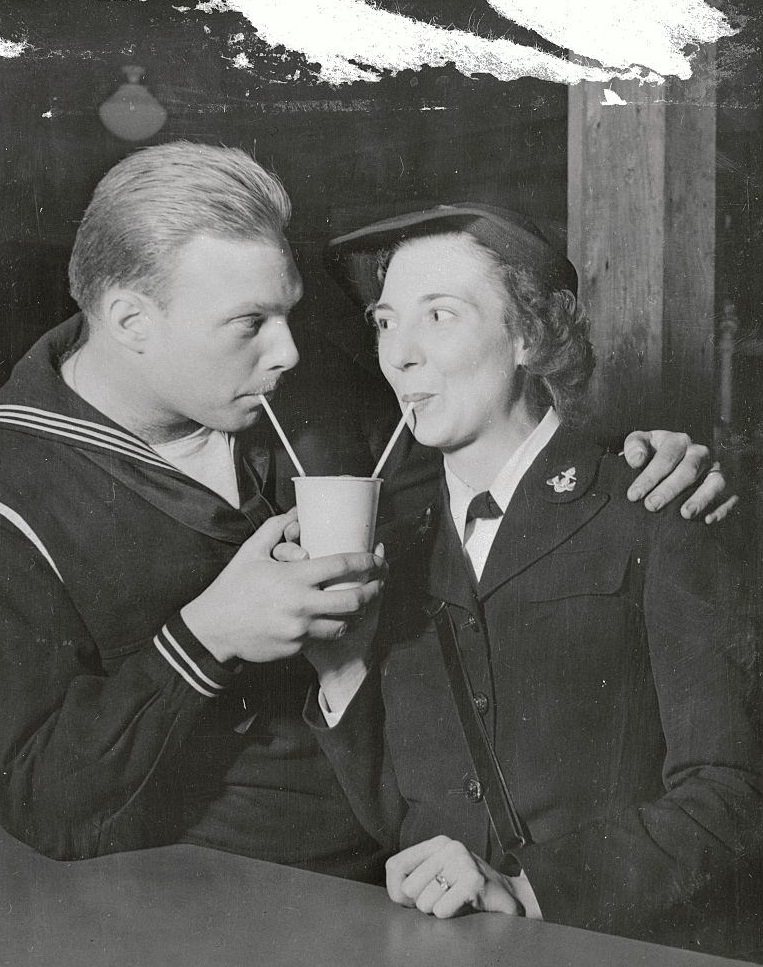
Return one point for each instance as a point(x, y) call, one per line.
point(137, 530)
point(151, 667)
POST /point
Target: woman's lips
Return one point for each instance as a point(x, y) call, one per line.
point(416, 397)
point(256, 394)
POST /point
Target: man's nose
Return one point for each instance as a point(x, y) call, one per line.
point(281, 352)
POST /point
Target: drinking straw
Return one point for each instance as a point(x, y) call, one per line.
point(392, 441)
point(279, 430)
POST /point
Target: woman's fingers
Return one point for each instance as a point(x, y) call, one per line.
point(442, 877)
point(423, 876)
point(465, 884)
point(402, 864)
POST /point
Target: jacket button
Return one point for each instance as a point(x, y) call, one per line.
point(473, 790)
point(481, 702)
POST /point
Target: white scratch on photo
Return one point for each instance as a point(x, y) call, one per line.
point(353, 40)
point(620, 33)
point(612, 98)
point(12, 48)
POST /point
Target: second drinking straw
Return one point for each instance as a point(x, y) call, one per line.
point(393, 440)
point(279, 430)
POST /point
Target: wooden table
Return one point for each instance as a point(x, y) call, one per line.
point(183, 906)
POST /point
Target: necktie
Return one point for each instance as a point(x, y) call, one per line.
point(483, 505)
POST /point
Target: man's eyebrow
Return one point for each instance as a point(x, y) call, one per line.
point(245, 307)
point(259, 308)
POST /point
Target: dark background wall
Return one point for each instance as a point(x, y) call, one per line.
point(346, 155)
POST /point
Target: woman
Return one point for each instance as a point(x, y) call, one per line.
point(566, 691)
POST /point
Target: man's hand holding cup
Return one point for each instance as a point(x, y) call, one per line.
point(265, 605)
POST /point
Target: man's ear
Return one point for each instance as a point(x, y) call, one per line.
point(128, 317)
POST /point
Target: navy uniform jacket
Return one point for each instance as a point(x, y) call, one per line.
point(619, 684)
point(118, 730)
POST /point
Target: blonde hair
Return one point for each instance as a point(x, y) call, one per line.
point(147, 207)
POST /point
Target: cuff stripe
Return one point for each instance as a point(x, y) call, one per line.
point(181, 671)
point(188, 660)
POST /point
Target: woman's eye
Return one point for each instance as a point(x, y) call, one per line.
point(376, 319)
point(441, 315)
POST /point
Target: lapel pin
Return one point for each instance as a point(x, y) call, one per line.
point(563, 482)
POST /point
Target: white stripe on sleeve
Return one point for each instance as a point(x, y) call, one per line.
point(189, 661)
point(181, 671)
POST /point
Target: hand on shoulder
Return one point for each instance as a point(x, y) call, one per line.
point(673, 464)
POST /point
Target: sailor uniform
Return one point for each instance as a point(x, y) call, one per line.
point(118, 729)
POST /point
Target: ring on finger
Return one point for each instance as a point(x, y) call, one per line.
point(714, 469)
point(442, 882)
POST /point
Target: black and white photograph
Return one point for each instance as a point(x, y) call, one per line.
point(381, 483)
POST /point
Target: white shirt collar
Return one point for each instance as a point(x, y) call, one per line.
point(507, 480)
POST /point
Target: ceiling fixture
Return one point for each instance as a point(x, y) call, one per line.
point(132, 112)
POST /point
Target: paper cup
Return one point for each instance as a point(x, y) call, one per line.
point(337, 515)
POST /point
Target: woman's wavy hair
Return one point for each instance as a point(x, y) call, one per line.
point(559, 357)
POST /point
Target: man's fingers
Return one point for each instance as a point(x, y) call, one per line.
point(289, 552)
point(265, 538)
point(664, 461)
point(361, 567)
point(720, 512)
point(636, 448)
point(686, 474)
point(349, 601)
point(291, 531)
point(707, 494)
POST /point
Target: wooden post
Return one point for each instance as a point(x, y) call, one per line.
point(641, 207)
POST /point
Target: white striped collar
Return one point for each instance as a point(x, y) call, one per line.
point(81, 431)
